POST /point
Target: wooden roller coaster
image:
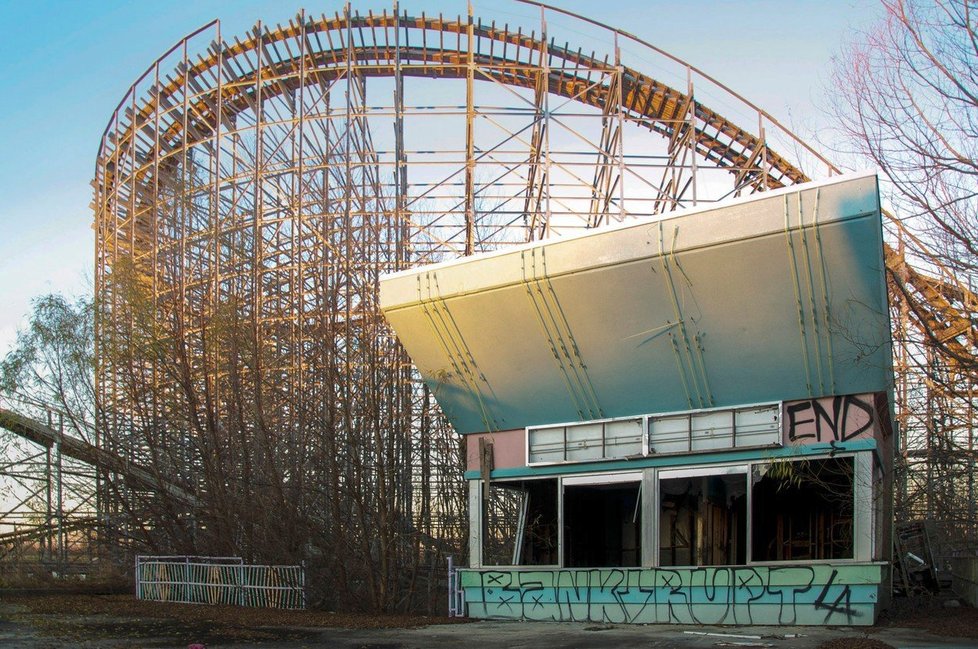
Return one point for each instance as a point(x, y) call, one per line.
point(309, 50)
point(281, 172)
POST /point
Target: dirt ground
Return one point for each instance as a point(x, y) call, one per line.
point(83, 617)
point(56, 621)
point(929, 614)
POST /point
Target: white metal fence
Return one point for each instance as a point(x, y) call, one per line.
point(219, 580)
point(456, 596)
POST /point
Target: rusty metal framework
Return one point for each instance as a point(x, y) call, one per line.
point(269, 178)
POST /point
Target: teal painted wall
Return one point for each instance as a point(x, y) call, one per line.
point(837, 594)
point(674, 461)
point(780, 297)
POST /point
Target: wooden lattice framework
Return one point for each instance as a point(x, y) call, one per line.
point(278, 174)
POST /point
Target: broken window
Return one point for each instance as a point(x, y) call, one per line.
point(602, 521)
point(703, 517)
point(802, 510)
point(521, 524)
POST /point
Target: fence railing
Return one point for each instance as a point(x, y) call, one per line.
point(456, 596)
point(219, 580)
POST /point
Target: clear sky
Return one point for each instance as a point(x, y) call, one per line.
point(65, 65)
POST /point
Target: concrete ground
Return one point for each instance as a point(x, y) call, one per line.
point(34, 633)
point(550, 635)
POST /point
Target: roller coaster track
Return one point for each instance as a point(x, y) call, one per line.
point(278, 61)
point(511, 58)
point(937, 307)
point(35, 533)
point(101, 459)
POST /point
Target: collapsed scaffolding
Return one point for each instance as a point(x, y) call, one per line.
point(250, 192)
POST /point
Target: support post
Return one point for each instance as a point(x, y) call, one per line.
point(469, 137)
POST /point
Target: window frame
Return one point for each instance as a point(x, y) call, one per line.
point(864, 511)
point(865, 515)
point(743, 468)
point(477, 524)
point(616, 477)
point(646, 421)
point(643, 421)
point(863, 518)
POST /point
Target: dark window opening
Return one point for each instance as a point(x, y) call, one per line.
point(803, 510)
point(602, 525)
point(521, 524)
point(702, 520)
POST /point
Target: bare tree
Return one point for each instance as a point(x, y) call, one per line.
point(357, 474)
point(363, 485)
point(906, 101)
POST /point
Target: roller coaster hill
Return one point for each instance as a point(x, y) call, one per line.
point(249, 191)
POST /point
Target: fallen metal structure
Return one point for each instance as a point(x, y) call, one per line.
point(102, 460)
point(52, 525)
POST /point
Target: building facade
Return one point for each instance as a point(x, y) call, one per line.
point(679, 420)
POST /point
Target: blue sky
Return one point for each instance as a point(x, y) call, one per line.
point(65, 65)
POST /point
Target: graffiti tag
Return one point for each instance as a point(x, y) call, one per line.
point(838, 419)
point(725, 595)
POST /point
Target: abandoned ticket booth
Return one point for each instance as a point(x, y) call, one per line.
point(678, 420)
